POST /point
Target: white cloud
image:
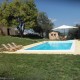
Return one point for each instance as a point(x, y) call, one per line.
point(53, 20)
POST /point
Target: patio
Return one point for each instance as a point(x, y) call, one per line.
point(76, 50)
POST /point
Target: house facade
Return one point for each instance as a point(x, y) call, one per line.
point(54, 35)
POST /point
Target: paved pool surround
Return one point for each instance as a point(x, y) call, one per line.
point(47, 51)
point(75, 50)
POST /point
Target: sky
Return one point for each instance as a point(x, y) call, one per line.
point(61, 12)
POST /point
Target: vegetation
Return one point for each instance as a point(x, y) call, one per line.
point(17, 11)
point(23, 12)
point(18, 40)
point(74, 33)
point(39, 67)
point(44, 24)
point(35, 66)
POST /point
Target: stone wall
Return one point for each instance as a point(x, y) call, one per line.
point(12, 31)
point(8, 31)
point(3, 31)
point(53, 36)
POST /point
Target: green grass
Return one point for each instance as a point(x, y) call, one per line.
point(40, 67)
point(18, 40)
point(37, 66)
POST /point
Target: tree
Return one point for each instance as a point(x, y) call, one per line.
point(78, 31)
point(74, 33)
point(24, 10)
point(44, 23)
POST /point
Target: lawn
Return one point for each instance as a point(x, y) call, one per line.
point(18, 40)
point(39, 67)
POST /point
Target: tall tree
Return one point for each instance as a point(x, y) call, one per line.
point(74, 33)
point(44, 23)
point(12, 12)
point(78, 31)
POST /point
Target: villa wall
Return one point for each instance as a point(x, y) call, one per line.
point(8, 31)
point(3, 31)
point(53, 35)
point(12, 31)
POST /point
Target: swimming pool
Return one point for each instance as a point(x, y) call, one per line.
point(50, 47)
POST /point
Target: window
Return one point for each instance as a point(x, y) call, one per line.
point(51, 34)
point(54, 34)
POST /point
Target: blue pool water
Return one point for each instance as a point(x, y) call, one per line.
point(52, 46)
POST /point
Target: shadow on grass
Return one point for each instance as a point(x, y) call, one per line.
point(31, 36)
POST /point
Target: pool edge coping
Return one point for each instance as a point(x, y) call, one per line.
point(47, 51)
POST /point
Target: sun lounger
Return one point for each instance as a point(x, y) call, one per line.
point(65, 37)
point(1, 49)
point(17, 46)
point(8, 48)
point(11, 46)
